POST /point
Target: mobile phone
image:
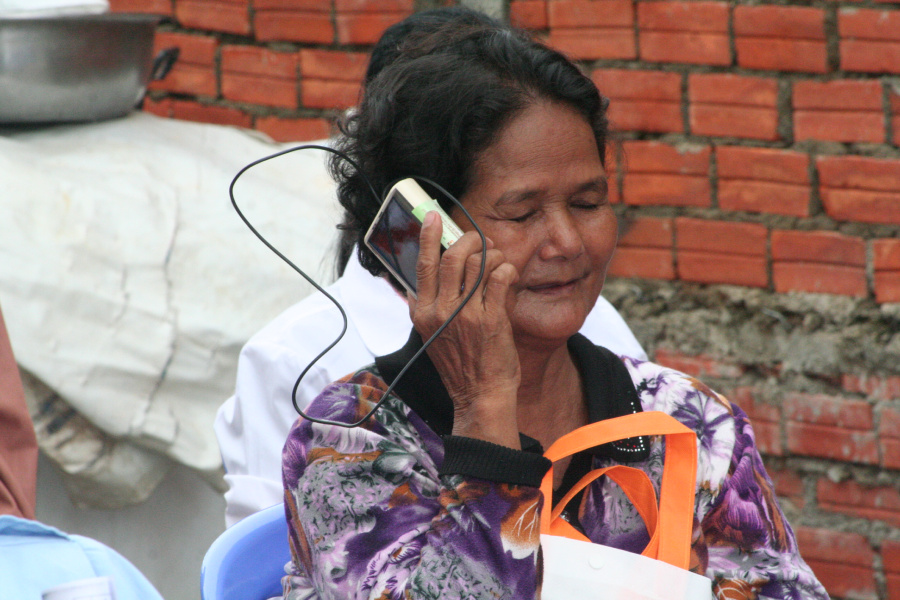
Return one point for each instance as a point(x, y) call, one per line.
point(394, 234)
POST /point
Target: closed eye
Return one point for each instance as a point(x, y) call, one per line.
point(522, 218)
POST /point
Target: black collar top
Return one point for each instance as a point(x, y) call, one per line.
point(607, 386)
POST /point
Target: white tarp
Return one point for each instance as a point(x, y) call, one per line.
point(129, 284)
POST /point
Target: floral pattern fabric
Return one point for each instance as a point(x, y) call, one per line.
point(370, 516)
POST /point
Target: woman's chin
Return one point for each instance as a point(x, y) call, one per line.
point(547, 325)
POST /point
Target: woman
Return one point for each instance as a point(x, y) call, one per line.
point(436, 496)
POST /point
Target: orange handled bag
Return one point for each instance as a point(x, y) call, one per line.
point(576, 569)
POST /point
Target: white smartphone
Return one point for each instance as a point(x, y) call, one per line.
point(394, 234)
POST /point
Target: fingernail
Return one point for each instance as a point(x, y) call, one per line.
point(430, 218)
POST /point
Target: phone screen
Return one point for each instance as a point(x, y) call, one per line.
point(394, 237)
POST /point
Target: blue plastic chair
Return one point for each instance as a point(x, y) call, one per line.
point(246, 562)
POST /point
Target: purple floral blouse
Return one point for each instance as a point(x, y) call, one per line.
point(372, 515)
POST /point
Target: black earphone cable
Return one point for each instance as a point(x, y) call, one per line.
point(379, 200)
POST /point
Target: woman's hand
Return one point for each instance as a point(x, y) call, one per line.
point(475, 355)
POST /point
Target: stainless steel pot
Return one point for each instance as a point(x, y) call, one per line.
point(77, 68)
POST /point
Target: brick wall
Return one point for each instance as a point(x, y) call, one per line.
point(759, 188)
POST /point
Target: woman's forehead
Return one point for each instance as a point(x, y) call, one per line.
point(547, 145)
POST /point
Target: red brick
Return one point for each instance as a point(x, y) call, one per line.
point(194, 71)
point(787, 484)
point(845, 94)
point(819, 278)
point(720, 237)
point(890, 556)
point(762, 164)
point(870, 57)
point(835, 546)
point(252, 60)
point(657, 157)
point(330, 64)
point(767, 436)
point(820, 409)
point(894, 99)
point(763, 180)
point(293, 26)
point(733, 105)
point(818, 246)
point(890, 453)
point(322, 93)
point(868, 24)
point(764, 197)
point(649, 116)
point(886, 254)
point(374, 6)
point(680, 47)
point(293, 130)
point(855, 188)
point(770, 54)
point(880, 388)
point(864, 206)
point(887, 286)
point(745, 397)
point(198, 50)
point(186, 110)
point(642, 100)
point(840, 111)
point(592, 44)
point(365, 28)
point(647, 232)
point(576, 14)
point(638, 85)
point(697, 17)
point(839, 126)
point(186, 78)
point(155, 7)
point(698, 366)
point(889, 425)
point(256, 89)
point(766, 422)
point(779, 22)
point(706, 267)
point(734, 121)
point(654, 189)
point(646, 263)
point(724, 88)
point(867, 502)
point(780, 38)
point(319, 6)
point(529, 14)
point(229, 16)
point(841, 561)
point(688, 32)
point(893, 581)
point(835, 443)
point(662, 174)
point(869, 40)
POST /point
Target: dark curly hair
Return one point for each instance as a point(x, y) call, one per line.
point(444, 99)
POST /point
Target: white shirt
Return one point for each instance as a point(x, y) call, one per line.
point(252, 425)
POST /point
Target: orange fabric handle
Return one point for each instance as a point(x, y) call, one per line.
point(637, 488)
point(671, 538)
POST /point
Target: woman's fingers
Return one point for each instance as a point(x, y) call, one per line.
point(428, 262)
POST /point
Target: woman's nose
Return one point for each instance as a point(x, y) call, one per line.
point(563, 236)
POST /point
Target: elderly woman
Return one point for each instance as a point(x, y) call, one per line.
point(427, 498)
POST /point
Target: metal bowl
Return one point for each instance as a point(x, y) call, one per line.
point(76, 68)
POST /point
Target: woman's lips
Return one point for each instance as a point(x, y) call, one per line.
point(559, 287)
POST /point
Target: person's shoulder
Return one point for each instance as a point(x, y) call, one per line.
point(349, 398)
point(716, 421)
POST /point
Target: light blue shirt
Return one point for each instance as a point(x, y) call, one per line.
point(35, 557)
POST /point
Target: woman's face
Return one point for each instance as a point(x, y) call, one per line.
point(540, 193)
